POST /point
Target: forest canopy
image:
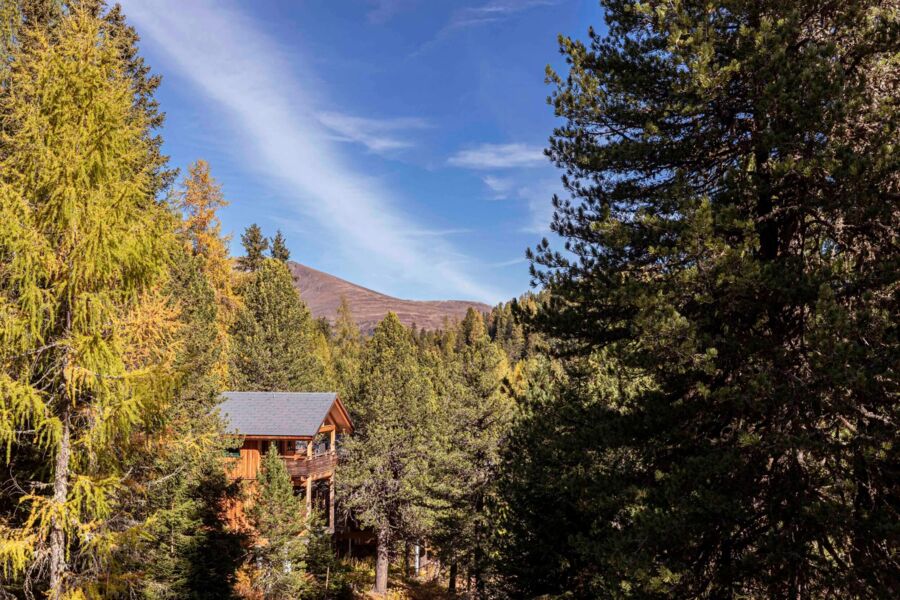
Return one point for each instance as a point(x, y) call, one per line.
point(698, 399)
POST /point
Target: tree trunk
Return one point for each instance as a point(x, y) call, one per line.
point(382, 560)
point(451, 587)
point(407, 559)
point(57, 531)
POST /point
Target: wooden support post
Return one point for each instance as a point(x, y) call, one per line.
point(333, 434)
point(309, 479)
point(331, 503)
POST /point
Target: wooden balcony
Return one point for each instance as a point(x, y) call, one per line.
point(301, 467)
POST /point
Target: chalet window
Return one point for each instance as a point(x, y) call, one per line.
point(300, 446)
point(233, 452)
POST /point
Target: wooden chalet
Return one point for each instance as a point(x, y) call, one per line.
point(305, 428)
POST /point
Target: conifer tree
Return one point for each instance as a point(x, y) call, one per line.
point(278, 558)
point(189, 550)
point(87, 339)
point(274, 342)
point(731, 242)
point(279, 248)
point(19, 16)
point(478, 414)
point(346, 348)
point(386, 471)
point(255, 247)
point(145, 84)
point(199, 200)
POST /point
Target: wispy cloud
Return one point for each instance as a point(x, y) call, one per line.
point(378, 135)
point(495, 10)
point(383, 10)
point(438, 232)
point(538, 198)
point(492, 11)
point(500, 186)
point(498, 156)
point(507, 263)
point(240, 71)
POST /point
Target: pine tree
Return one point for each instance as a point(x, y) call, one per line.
point(255, 247)
point(278, 557)
point(386, 471)
point(279, 248)
point(731, 242)
point(478, 414)
point(87, 340)
point(274, 341)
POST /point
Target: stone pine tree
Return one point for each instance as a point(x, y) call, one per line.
point(255, 247)
point(384, 477)
point(278, 556)
point(279, 248)
point(480, 413)
point(731, 241)
point(274, 339)
point(87, 338)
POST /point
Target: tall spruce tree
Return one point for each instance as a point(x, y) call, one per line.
point(255, 247)
point(87, 337)
point(385, 474)
point(279, 248)
point(731, 243)
point(275, 343)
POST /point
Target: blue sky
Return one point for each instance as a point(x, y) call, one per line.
point(396, 143)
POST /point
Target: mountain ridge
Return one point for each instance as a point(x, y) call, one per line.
point(322, 293)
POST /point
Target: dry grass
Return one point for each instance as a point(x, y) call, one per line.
point(362, 577)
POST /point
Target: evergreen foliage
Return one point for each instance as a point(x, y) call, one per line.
point(727, 306)
point(385, 473)
point(346, 350)
point(279, 248)
point(188, 485)
point(278, 557)
point(478, 413)
point(274, 339)
point(255, 247)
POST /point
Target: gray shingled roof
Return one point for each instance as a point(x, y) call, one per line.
point(275, 413)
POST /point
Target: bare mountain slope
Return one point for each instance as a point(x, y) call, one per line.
point(322, 293)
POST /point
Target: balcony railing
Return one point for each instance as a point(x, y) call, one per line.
point(302, 467)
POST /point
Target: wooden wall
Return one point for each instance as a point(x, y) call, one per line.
point(247, 466)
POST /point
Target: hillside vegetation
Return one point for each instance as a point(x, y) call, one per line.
point(699, 400)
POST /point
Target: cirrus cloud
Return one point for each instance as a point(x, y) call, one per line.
point(498, 156)
point(267, 99)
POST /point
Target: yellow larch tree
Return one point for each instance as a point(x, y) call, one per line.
point(87, 338)
point(200, 199)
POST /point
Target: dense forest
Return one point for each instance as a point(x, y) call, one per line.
point(699, 399)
